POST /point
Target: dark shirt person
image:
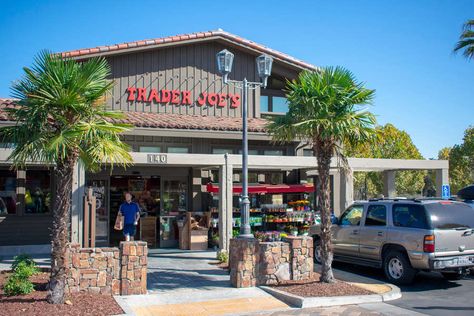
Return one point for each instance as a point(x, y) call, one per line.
point(131, 214)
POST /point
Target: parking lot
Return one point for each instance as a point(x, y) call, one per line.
point(430, 293)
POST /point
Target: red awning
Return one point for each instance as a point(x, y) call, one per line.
point(266, 188)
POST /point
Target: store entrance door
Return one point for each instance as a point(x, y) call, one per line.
point(146, 191)
point(174, 206)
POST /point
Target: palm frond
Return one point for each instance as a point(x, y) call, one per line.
point(60, 113)
point(326, 106)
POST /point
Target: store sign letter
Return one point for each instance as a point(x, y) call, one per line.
point(182, 97)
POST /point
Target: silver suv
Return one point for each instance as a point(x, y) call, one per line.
point(404, 237)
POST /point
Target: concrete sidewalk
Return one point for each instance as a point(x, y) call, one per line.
point(185, 283)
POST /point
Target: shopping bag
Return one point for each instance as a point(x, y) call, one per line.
point(119, 222)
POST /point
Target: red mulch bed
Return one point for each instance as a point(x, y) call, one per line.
point(35, 303)
point(313, 288)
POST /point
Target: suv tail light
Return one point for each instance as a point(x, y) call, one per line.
point(429, 243)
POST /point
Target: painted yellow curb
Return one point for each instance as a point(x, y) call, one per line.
point(214, 307)
point(376, 288)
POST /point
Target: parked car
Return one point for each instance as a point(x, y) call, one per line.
point(404, 237)
point(467, 195)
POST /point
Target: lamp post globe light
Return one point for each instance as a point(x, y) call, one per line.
point(264, 68)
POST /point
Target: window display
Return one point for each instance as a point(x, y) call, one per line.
point(37, 192)
point(8, 196)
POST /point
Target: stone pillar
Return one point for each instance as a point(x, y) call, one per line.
point(389, 187)
point(442, 178)
point(243, 262)
point(20, 191)
point(77, 208)
point(347, 189)
point(133, 262)
point(225, 205)
point(301, 254)
point(92, 270)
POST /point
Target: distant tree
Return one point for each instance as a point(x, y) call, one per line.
point(461, 161)
point(394, 144)
point(466, 40)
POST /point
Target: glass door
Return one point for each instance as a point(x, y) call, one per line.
point(175, 197)
point(101, 214)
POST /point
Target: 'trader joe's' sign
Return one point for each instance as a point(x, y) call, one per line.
point(181, 97)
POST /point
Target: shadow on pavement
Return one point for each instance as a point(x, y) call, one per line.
point(169, 280)
point(424, 281)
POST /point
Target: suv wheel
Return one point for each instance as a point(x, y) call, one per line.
point(452, 276)
point(397, 268)
point(317, 251)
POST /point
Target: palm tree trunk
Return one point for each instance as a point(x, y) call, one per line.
point(323, 151)
point(60, 232)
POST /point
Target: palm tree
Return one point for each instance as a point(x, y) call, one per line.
point(60, 120)
point(466, 40)
point(324, 111)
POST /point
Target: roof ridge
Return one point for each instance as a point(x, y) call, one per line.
point(184, 37)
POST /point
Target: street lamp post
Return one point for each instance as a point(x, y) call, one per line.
point(264, 69)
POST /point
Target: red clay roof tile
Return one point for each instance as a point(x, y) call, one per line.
point(172, 121)
point(184, 37)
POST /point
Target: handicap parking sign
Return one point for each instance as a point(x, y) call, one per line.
point(445, 192)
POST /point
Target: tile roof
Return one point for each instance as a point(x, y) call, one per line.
point(184, 38)
point(173, 121)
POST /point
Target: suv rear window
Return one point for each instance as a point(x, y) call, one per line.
point(409, 215)
point(448, 215)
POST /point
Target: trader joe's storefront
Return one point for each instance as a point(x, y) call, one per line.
point(282, 200)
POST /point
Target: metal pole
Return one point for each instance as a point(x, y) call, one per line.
point(245, 203)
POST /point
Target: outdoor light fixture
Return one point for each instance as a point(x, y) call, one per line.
point(224, 63)
point(264, 68)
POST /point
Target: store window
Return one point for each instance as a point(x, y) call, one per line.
point(273, 152)
point(280, 105)
point(264, 103)
point(273, 103)
point(178, 150)
point(251, 152)
point(174, 197)
point(222, 151)
point(308, 153)
point(149, 149)
point(8, 197)
point(37, 192)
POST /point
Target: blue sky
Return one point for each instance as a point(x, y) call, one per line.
point(403, 49)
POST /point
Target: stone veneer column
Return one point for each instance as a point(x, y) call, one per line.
point(107, 270)
point(301, 254)
point(243, 262)
point(133, 261)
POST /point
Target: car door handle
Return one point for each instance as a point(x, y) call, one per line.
point(380, 234)
point(355, 232)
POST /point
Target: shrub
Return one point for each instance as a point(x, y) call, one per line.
point(23, 258)
point(16, 285)
point(223, 256)
point(25, 270)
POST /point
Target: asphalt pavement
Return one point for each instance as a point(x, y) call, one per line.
point(430, 293)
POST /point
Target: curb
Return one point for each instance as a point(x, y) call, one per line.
point(326, 301)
